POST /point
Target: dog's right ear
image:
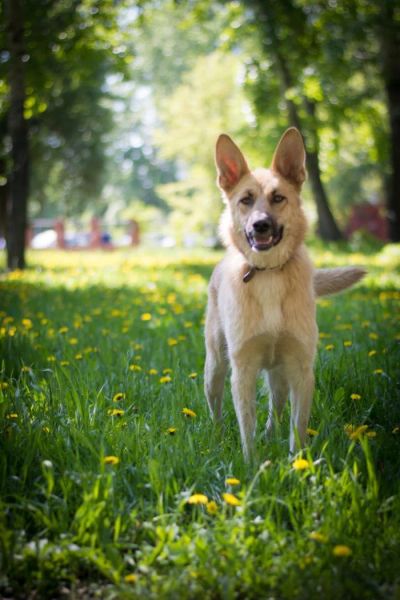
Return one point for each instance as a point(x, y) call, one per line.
point(231, 164)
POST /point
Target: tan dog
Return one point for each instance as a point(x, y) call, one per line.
point(261, 306)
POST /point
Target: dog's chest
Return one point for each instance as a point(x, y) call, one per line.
point(252, 309)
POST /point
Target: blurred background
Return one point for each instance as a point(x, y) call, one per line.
point(109, 112)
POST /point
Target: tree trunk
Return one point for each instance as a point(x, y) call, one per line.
point(390, 43)
point(327, 227)
point(18, 130)
point(4, 189)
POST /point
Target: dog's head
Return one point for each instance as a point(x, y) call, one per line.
point(264, 218)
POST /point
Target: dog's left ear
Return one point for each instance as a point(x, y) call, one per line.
point(231, 164)
point(290, 157)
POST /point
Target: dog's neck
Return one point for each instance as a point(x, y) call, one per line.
point(248, 276)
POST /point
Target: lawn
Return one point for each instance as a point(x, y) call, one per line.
point(114, 483)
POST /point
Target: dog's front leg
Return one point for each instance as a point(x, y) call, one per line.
point(216, 364)
point(215, 370)
point(244, 378)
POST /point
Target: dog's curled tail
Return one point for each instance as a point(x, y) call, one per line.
point(331, 281)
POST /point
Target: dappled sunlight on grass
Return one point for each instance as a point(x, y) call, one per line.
point(112, 472)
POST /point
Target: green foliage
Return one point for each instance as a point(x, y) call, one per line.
point(208, 102)
point(101, 353)
point(70, 50)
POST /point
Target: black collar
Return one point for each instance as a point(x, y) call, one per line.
point(248, 276)
point(250, 273)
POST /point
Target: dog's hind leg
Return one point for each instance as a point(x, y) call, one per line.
point(301, 394)
point(278, 394)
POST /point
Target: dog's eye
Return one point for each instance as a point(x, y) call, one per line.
point(247, 200)
point(277, 198)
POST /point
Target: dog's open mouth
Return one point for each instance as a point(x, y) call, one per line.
point(260, 242)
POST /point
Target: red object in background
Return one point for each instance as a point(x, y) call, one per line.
point(95, 233)
point(134, 233)
point(368, 217)
point(59, 228)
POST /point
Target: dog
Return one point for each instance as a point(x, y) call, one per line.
point(261, 311)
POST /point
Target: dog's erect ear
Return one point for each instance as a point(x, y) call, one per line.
point(290, 157)
point(231, 164)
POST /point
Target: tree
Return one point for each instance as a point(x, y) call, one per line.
point(208, 101)
point(389, 35)
point(291, 44)
point(66, 51)
point(18, 130)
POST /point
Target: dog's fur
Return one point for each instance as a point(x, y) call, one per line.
point(261, 306)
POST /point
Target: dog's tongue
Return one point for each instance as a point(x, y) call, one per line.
point(261, 243)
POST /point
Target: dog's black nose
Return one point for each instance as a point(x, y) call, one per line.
point(262, 225)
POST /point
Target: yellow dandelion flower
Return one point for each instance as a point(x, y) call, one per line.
point(171, 430)
point(347, 343)
point(27, 323)
point(135, 368)
point(300, 464)
point(329, 347)
point(12, 416)
point(192, 375)
point(373, 336)
point(4, 385)
point(188, 412)
point(167, 370)
point(146, 317)
point(232, 481)
point(165, 379)
point(152, 372)
point(316, 536)
point(111, 460)
point(26, 370)
point(51, 359)
point(312, 432)
point(73, 341)
point(118, 396)
point(378, 372)
point(172, 342)
point(188, 324)
point(78, 356)
point(355, 433)
point(63, 330)
point(372, 353)
point(322, 335)
point(341, 550)
point(197, 499)
point(231, 499)
point(355, 397)
point(212, 507)
point(371, 434)
point(131, 578)
point(64, 363)
point(115, 412)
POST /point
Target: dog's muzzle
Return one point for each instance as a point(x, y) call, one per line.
point(263, 233)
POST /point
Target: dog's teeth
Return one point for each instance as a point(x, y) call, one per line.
point(269, 240)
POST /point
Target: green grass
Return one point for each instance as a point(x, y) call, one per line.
point(73, 336)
